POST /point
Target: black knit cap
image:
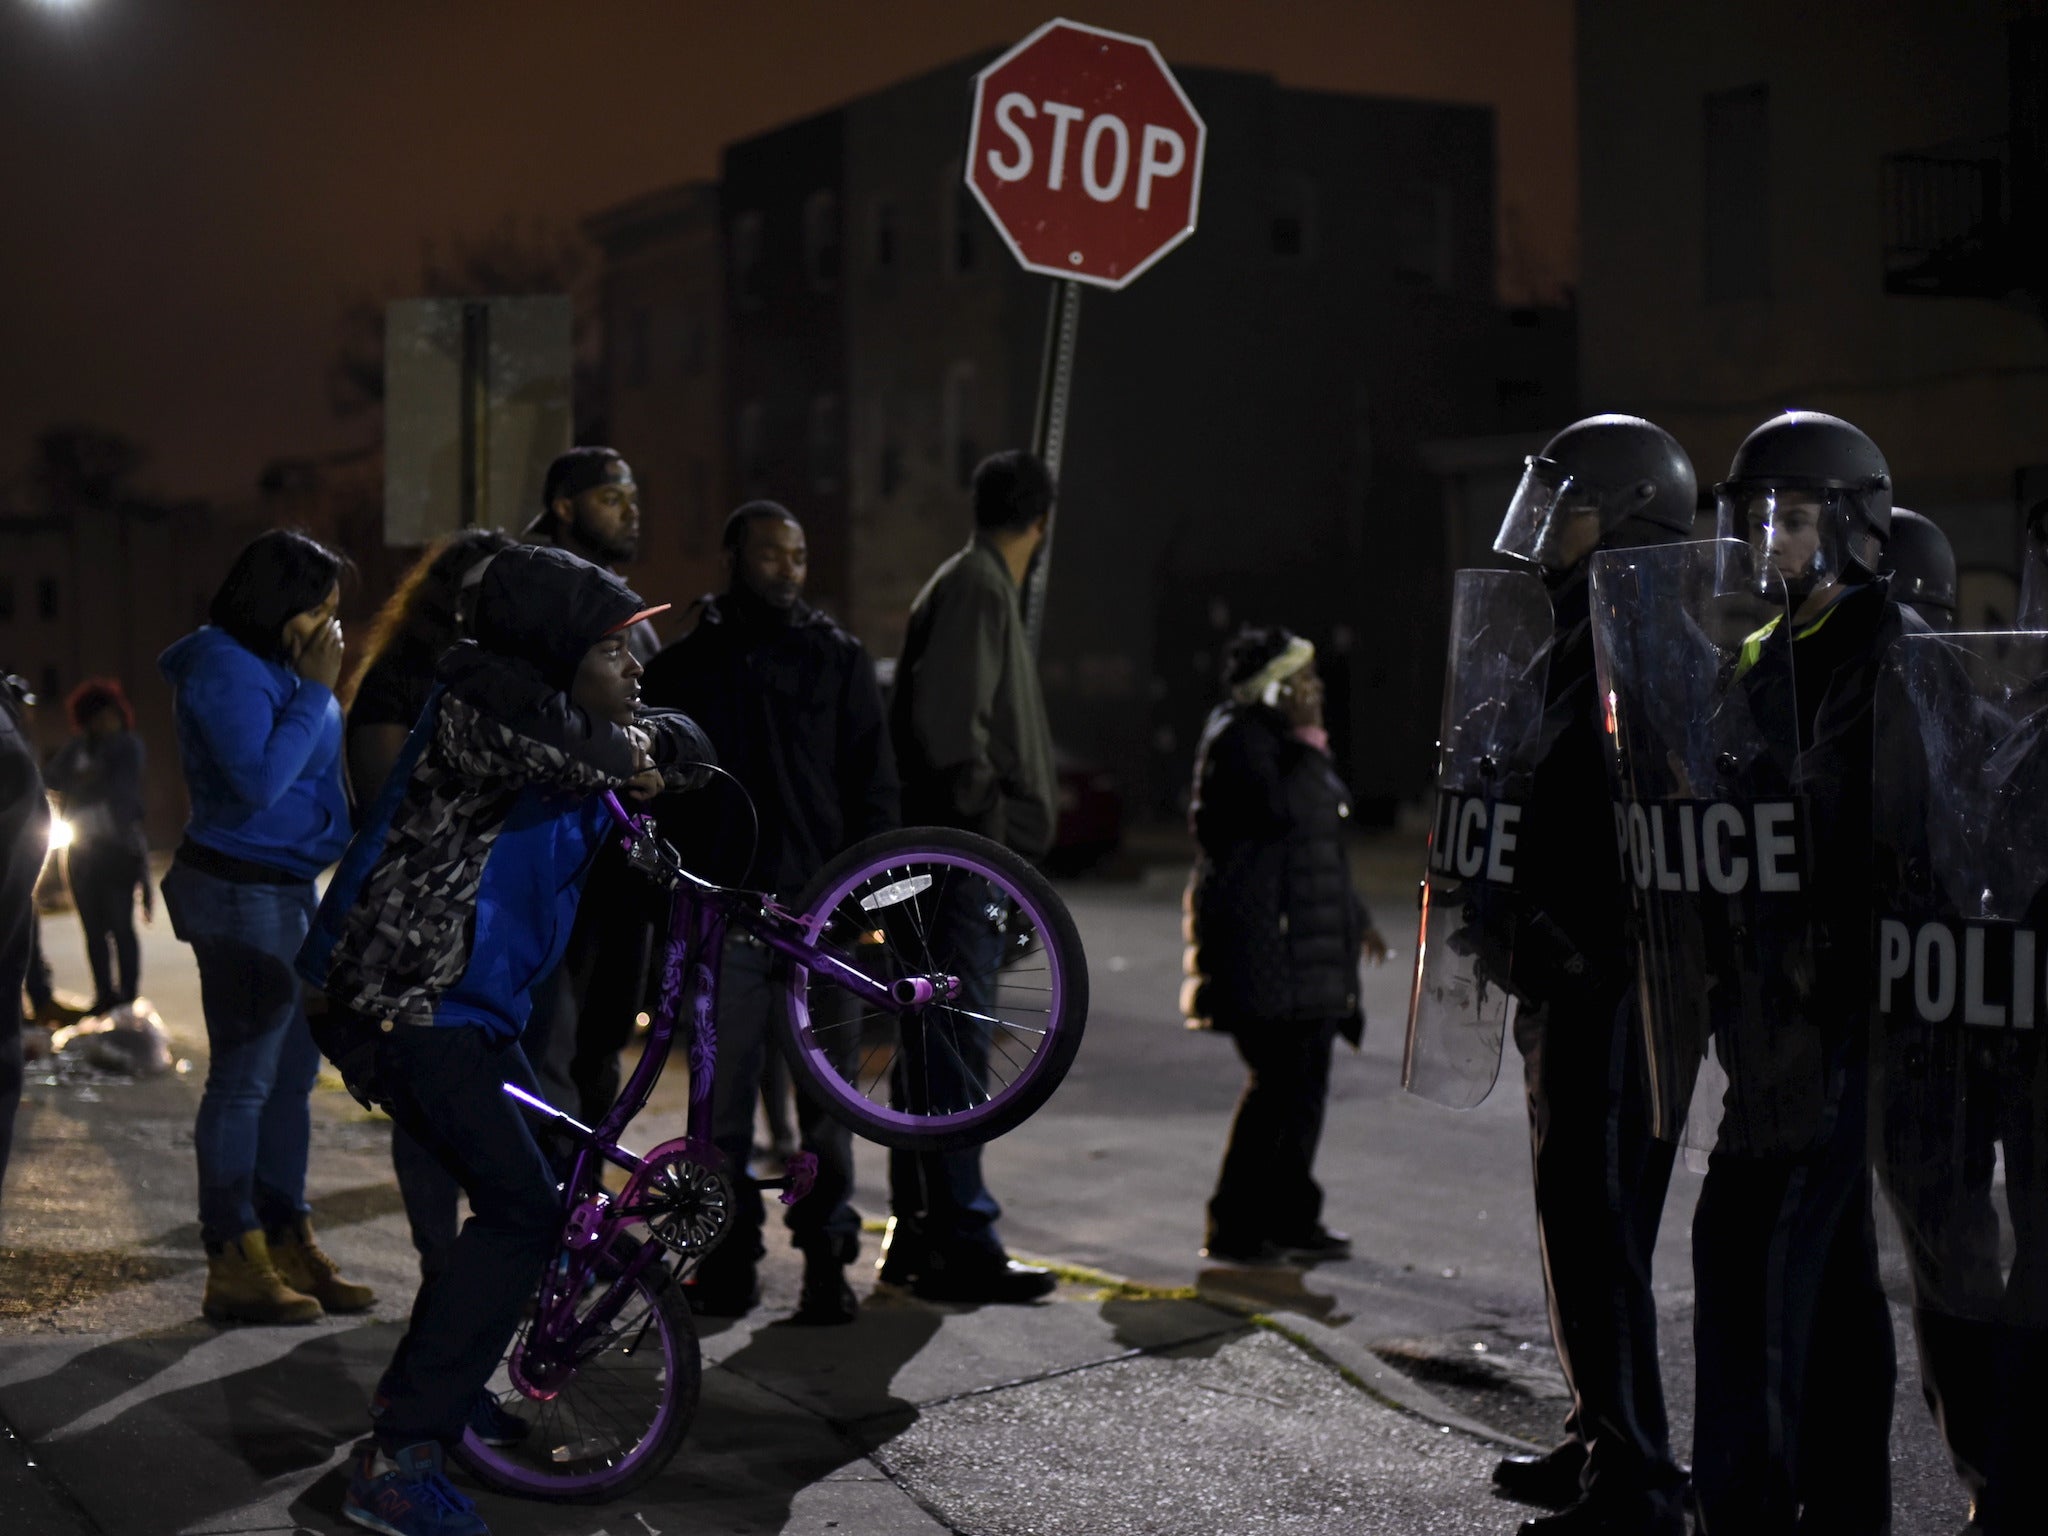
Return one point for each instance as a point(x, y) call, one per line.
point(549, 607)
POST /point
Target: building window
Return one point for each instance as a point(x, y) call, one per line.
point(960, 223)
point(747, 284)
point(1737, 194)
point(638, 326)
point(1290, 227)
point(753, 448)
point(963, 451)
point(1422, 238)
point(46, 599)
point(882, 237)
point(825, 442)
point(821, 241)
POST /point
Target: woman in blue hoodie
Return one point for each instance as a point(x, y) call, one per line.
point(259, 735)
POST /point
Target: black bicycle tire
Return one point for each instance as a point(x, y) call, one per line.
point(674, 1308)
point(831, 1094)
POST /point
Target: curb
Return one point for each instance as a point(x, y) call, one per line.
point(1328, 1346)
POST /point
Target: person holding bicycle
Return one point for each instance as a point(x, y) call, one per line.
point(458, 891)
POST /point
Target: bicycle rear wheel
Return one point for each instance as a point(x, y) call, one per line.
point(612, 1418)
point(986, 932)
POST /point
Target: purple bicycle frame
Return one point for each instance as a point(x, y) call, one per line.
point(698, 919)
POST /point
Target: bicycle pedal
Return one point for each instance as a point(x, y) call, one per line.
point(799, 1177)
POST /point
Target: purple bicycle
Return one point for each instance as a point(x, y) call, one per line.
point(933, 992)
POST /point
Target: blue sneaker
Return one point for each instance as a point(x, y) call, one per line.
point(409, 1495)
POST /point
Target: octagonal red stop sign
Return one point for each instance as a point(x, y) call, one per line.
point(1086, 153)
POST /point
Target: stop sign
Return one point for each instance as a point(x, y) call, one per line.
point(1086, 153)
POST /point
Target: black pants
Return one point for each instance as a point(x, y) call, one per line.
point(16, 949)
point(1265, 1189)
point(1600, 1181)
point(1796, 1368)
point(35, 977)
point(449, 1086)
point(103, 879)
point(1982, 1380)
point(823, 1222)
point(1981, 1334)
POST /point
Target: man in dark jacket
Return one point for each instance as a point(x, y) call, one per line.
point(1276, 929)
point(791, 703)
point(975, 749)
point(24, 839)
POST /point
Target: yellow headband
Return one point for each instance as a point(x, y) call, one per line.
point(1299, 653)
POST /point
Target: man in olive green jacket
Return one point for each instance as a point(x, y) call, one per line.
point(975, 751)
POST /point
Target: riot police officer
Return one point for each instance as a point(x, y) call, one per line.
point(1959, 1073)
point(1600, 1178)
point(1794, 1339)
point(1921, 566)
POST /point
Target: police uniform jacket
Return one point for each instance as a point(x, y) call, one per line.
point(1572, 907)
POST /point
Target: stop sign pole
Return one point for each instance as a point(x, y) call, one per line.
point(1049, 430)
point(1087, 156)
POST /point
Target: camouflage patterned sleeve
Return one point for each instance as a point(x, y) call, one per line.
point(558, 748)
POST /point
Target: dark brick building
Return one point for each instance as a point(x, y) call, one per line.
point(1247, 417)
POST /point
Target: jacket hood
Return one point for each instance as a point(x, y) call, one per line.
point(547, 607)
point(204, 643)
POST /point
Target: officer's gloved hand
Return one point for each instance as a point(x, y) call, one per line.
point(682, 753)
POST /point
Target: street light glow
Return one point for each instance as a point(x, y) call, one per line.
point(62, 5)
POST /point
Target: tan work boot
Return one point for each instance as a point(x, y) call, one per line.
point(243, 1286)
point(304, 1266)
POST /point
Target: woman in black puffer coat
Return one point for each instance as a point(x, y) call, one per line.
point(1274, 930)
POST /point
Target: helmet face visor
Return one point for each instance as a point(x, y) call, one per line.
point(1800, 534)
point(1552, 521)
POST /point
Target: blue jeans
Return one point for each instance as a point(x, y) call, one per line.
point(255, 1120)
point(942, 1195)
point(449, 1082)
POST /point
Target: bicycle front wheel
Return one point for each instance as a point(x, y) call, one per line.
point(592, 1427)
point(990, 952)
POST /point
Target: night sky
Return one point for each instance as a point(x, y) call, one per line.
point(198, 186)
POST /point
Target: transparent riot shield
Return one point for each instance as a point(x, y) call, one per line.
point(1959, 1092)
point(1460, 1004)
point(1695, 673)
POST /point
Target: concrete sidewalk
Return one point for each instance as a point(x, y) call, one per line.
point(1107, 1409)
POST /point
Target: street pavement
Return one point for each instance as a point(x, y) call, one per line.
point(1366, 1396)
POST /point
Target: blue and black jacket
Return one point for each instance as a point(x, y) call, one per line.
point(458, 892)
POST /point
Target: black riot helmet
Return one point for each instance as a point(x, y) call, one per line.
point(1605, 480)
point(2033, 614)
point(1812, 496)
point(1922, 566)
